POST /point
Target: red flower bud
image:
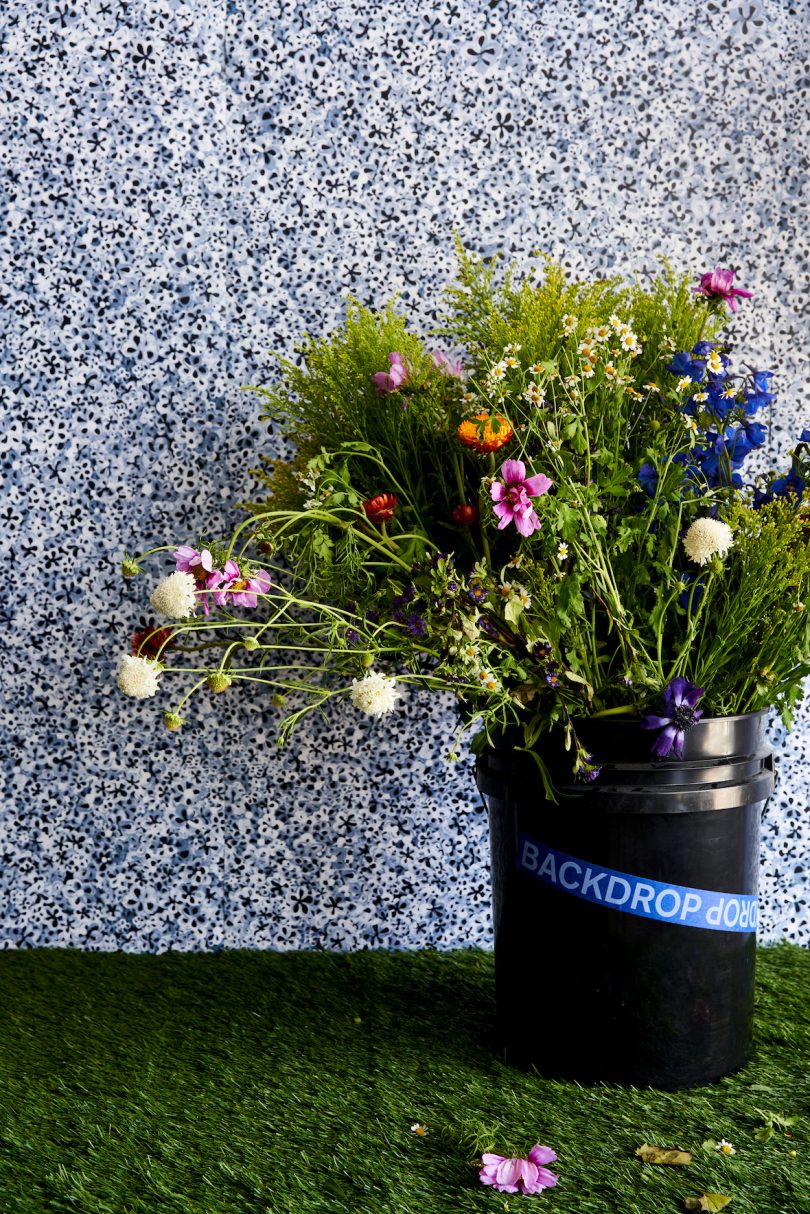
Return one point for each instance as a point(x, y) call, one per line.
point(465, 515)
point(381, 508)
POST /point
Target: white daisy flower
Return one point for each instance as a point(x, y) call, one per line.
point(725, 1148)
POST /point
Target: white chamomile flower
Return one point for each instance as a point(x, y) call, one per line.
point(610, 371)
point(714, 362)
point(175, 596)
point(419, 1129)
point(684, 383)
point(511, 362)
point(375, 694)
point(569, 323)
point(497, 371)
point(138, 677)
point(523, 597)
point(488, 680)
point(725, 1148)
point(707, 537)
point(690, 424)
point(562, 552)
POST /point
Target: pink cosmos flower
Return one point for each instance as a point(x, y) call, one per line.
point(189, 560)
point(513, 498)
point(443, 363)
point(717, 284)
point(231, 586)
point(389, 381)
point(519, 1175)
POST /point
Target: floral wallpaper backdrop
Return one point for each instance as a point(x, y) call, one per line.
point(186, 187)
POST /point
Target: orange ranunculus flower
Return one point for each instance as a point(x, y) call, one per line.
point(485, 432)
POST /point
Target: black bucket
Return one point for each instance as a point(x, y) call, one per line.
point(625, 915)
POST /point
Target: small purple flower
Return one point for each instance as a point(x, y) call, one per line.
point(416, 624)
point(717, 284)
point(389, 381)
point(680, 700)
point(512, 498)
point(513, 1175)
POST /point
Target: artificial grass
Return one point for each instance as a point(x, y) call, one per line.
point(243, 1082)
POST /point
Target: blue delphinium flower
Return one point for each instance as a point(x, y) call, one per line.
point(680, 700)
point(684, 365)
point(648, 478)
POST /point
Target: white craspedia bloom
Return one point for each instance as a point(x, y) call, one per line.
point(706, 538)
point(375, 694)
point(175, 596)
point(138, 677)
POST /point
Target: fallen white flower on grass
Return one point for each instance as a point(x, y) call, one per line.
point(375, 694)
point(138, 677)
point(175, 596)
point(706, 538)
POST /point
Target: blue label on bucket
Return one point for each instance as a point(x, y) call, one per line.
point(637, 895)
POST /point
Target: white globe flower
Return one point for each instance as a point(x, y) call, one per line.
point(375, 694)
point(175, 596)
point(138, 677)
point(706, 538)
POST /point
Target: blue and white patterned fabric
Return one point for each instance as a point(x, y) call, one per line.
point(186, 187)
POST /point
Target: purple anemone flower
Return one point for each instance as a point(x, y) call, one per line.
point(389, 381)
point(513, 498)
point(680, 700)
point(717, 284)
point(513, 1175)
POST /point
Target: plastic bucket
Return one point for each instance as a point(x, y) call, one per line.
point(625, 915)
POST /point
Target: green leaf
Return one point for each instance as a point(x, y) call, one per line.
point(513, 610)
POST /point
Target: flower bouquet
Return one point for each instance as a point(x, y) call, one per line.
point(549, 523)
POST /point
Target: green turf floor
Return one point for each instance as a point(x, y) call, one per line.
point(288, 1083)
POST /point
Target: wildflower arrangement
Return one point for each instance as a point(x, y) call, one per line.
point(550, 524)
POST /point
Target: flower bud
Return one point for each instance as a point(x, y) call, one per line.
point(277, 701)
point(219, 681)
point(367, 660)
point(130, 567)
point(173, 720)
point(465, 515)
point(251, 643)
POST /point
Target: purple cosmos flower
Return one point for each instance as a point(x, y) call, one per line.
point(443, 363)
point(717, 284)
point(512, 1175)
point(513, 498)
point(189, 560)
point(680, 700)
point(389, 381)
point(229, 585)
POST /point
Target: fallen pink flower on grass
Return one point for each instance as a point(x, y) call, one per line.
point(513, 1175)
